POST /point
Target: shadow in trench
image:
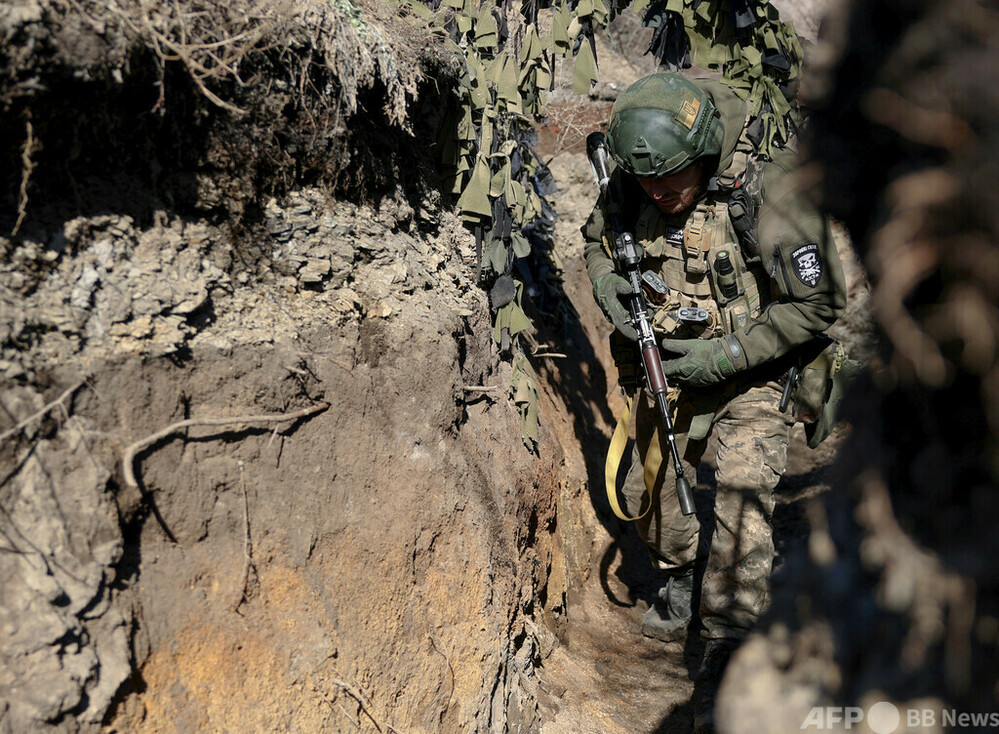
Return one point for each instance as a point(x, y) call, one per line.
point(583, 383)
point(790, 529)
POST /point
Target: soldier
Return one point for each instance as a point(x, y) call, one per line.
point(751, 276)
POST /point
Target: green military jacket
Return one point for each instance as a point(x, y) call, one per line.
point(802, 286)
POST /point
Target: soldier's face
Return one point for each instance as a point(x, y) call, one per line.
point(676, 193)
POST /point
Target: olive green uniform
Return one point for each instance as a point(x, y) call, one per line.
point(790, 290)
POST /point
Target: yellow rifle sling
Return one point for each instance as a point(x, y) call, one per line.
point(653, 462)
point(618, 444)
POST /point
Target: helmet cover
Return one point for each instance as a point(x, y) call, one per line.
point(661, 124)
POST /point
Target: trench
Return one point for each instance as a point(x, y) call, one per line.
point(397, 559)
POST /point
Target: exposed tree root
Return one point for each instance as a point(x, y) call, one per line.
point(128, 462)
point(35, 416)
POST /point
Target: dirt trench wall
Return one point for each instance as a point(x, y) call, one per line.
point(408, 558)
point(406, 549)
point(391, 543)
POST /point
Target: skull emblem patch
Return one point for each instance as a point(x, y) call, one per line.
point(807, 265)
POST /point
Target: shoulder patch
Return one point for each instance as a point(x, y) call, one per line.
point(807, 265)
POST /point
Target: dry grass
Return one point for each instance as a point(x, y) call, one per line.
point(280, 87)
point(210, 39)
point(214, 42)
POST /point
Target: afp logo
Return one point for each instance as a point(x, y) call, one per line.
point(807, 265)
point(881, 718)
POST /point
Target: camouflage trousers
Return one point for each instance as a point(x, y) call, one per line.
point(752, 437)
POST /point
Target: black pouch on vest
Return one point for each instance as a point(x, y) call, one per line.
point(627, 359)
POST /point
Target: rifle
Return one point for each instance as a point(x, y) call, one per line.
point(627, 260)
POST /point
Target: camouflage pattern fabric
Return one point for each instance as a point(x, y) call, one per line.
point(752, 454)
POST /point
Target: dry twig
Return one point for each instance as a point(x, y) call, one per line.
point(362, 701)
point(27, 166)
point(322, 694)
point(35, 416)
point(450, 696)
point(128, 462)
point(247, 551)
point(209, 43)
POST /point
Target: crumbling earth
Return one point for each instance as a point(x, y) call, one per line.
point(396, 559)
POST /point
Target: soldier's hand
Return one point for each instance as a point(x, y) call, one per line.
point(698, 362)
point(607, 291)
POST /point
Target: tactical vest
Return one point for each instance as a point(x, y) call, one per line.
point(697, 279)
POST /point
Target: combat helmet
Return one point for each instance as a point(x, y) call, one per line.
point(661, 124)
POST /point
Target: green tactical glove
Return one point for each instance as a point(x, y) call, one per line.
point(702, 362)
point(607, 290)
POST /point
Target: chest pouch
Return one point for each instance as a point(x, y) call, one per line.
point(734, 285)
point(730, 290)
point(822, 380)
point(697, 238)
